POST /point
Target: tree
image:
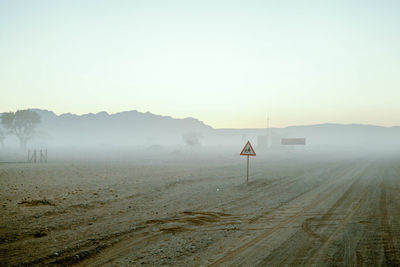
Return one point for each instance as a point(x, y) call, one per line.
point(192, 139)
point(21, 123)
point(2, 136)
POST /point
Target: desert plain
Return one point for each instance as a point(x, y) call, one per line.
point(299, 208)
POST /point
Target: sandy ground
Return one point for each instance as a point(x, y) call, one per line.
point(299, 209)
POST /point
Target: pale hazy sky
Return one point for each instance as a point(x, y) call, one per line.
point(227, 63)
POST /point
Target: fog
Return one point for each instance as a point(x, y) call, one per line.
point(132, 188)
point(89, 178)
point(136, 136)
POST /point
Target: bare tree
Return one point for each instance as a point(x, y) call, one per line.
point(192, 139)
point(21, 123)
point(2, 136)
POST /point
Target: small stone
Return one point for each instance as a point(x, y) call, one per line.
point(39, 234)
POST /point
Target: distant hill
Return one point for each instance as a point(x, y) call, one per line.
point(325, 135)
point(121, 129)
point(133, 128)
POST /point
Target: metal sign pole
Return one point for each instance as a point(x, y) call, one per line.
point(248, 151)
point(247, 180)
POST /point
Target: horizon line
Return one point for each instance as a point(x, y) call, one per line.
point(215, 128)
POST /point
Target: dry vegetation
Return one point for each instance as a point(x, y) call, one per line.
point(297, 209)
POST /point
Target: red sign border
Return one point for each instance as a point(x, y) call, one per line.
point(241, 153)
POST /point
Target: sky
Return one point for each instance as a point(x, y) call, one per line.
point(226, 63)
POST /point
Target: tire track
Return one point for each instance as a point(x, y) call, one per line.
point(326, 241)
point(390, 251)
point(307, 251)
point(329, 214)
point(125, 245)
point(129, 238)
point(321, 197)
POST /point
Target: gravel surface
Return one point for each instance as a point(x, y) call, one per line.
point(298, 209)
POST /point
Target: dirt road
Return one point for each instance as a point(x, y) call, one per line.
point(311, 212)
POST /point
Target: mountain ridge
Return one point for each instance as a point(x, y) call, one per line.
point(134, 128)
point(136, 112)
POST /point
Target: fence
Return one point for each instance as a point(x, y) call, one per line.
point(35, 156)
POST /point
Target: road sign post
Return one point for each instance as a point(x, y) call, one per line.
point(248, 151)
point(247, 178)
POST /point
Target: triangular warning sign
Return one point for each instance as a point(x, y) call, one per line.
point(248, 150)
